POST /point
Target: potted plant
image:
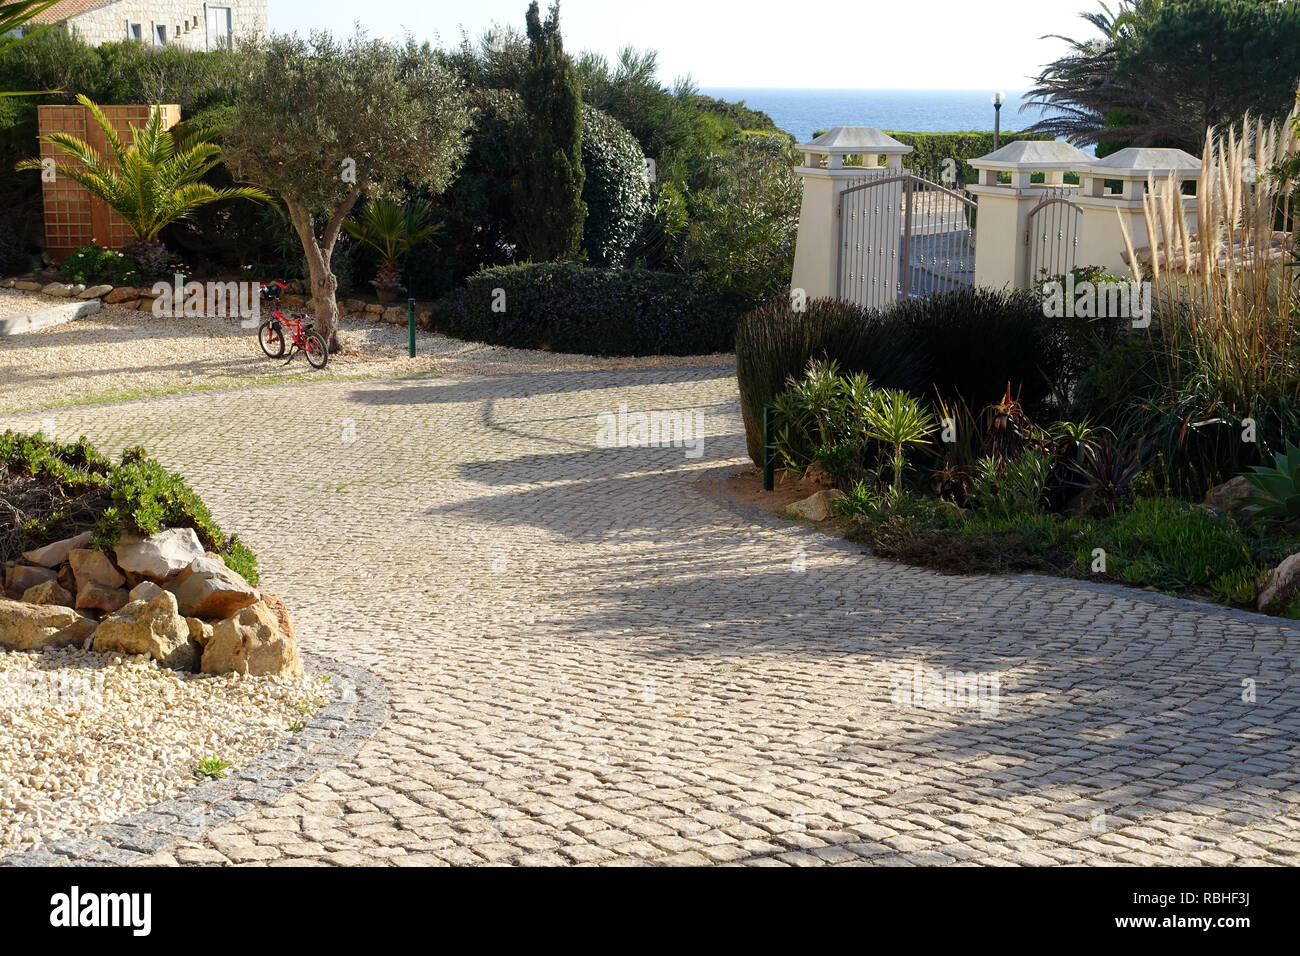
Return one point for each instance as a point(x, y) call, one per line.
point(392, 230)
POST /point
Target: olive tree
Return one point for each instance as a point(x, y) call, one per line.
point(321, 121)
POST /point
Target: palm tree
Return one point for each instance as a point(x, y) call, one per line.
point(151, 183)
point(392, 230)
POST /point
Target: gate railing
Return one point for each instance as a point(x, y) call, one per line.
point(902, 236)
point(1052, 234)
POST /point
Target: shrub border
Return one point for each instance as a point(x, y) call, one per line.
point(357, 710)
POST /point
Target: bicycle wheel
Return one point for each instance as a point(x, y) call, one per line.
point(271, 339)
point(318, 353)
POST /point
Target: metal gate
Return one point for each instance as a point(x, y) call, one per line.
point(903, 236)
point(1052, 235)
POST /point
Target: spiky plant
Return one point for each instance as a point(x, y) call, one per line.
point(391, 230)
point(898, 421)
point(151, 183)
point(1276, 487)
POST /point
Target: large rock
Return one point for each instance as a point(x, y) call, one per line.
point(48, 592)
point(61, 289)
point(20, 577)
point(93, 596)
point(145, 591)
point(148, 627)
point(124, 293)
point(52, 555)
point(818, 507)
point(95, 292)
point(277, 606)
point(93, 567)
point(210, 589)
point(31, 627)
point(161, 556)
point(252, 643)
point(1281, 586)
point(1230, 496)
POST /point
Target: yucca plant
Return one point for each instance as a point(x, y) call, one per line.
point(151, 183)
point(898, 421)
point(392, 230)
point(1276, 487)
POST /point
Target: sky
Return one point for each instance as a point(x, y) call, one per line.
point(850, 44)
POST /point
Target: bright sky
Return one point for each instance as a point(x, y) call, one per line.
point(856, 44)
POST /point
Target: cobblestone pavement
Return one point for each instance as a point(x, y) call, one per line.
point(590, 660)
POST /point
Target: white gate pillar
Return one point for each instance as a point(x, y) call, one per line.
point(818, 250)
point(1102, 240)
point(1001, 254)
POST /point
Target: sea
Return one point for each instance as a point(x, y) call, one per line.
point(802, 112)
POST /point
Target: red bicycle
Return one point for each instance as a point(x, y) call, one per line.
point(303, 336)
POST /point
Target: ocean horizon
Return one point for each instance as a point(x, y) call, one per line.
point(801, 112)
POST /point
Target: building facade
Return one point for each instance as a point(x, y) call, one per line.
point(195, 26)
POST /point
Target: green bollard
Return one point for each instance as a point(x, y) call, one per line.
point(769, 449)
point(410, 322)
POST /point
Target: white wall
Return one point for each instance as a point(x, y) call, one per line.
point(108, 23)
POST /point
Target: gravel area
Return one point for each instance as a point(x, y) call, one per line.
point(20, 303)
point(122, 353)
point(86, 739)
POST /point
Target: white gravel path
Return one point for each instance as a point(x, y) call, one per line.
point(86, 738)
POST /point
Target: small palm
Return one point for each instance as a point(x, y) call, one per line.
point(898, 420)
point(151, 183)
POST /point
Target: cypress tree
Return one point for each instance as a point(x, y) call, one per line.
point(549, 210)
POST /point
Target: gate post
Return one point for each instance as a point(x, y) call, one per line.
point(817, 248)
point(1103, 241)
point(1001, 253)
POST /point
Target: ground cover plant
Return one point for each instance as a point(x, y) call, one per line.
point(51, 491)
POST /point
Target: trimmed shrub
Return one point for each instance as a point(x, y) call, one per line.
point(50, 491)
point(616, 190)
point(565, 307)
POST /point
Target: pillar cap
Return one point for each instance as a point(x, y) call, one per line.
point(1036, 155)
point(846, 140)
point(1139, 162)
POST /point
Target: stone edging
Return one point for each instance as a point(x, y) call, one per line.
point(714, 479)
point(358, 708)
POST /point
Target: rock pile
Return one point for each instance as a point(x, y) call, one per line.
point(163, 596)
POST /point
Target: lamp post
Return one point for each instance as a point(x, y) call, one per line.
point(998, 99)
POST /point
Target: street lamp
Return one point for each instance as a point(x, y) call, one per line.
point(997, 99)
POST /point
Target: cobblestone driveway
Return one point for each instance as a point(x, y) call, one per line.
point(592, 661)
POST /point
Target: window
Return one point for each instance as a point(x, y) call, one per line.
point(219, 23)
point(135, 31)
point(160, 33)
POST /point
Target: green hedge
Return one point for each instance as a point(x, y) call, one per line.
point(565, 307)
point(929, 150)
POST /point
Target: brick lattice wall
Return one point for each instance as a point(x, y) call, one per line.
point(74, 218)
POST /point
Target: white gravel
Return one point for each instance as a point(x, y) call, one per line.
point(86, 738)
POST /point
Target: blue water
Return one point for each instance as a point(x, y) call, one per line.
point(801, 112)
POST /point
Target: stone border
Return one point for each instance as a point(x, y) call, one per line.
point(713, 481)
point(357, 710)
point(59, 312)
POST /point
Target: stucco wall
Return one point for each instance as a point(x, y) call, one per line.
point(109, 23)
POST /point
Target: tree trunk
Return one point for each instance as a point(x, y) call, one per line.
point(318, 251)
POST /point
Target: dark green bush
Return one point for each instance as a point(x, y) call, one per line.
point(51, 491)
point(616, 190)
point(565, 307)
